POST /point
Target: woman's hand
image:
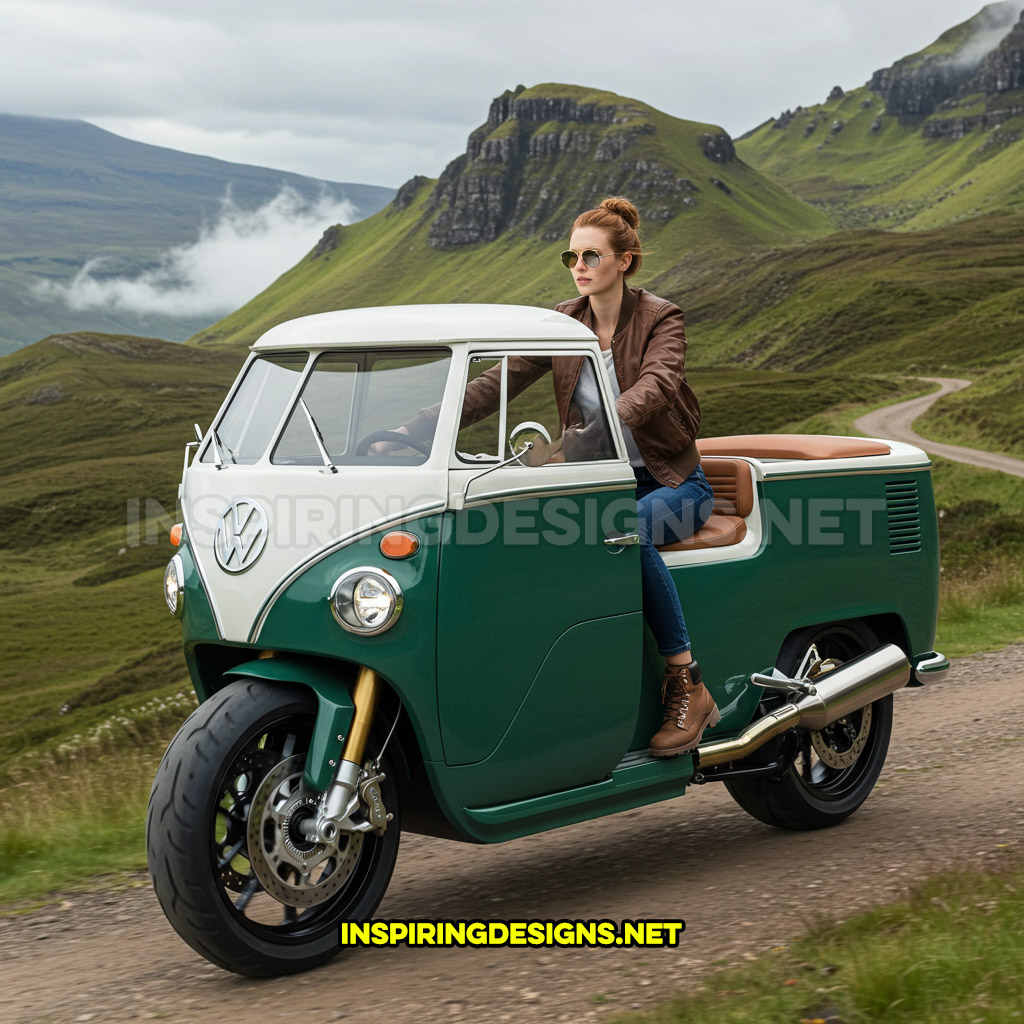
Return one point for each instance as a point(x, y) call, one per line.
point(387, 447)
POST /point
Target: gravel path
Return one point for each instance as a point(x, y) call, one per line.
point(894, 421)
point(950, 794)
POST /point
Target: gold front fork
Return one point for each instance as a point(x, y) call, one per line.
point(342, 797)
point(364, 696)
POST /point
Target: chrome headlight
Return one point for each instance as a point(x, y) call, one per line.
point(174, 585)
point(366, 600)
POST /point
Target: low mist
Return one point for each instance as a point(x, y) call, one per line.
point(232, 260)
point(994, 24)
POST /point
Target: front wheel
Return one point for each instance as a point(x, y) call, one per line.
point(835, 769)
point(226, 837)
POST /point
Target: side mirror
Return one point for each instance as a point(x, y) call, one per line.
point(527, 431)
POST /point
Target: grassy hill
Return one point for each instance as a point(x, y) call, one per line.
point(936, 139)
point(70, 191)
point(94, 428)
point(491, 228)
point(868, 300)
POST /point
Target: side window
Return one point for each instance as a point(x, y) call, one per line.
point(478, 441)
point(531, 399)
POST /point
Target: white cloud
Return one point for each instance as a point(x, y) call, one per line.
point(231, 261)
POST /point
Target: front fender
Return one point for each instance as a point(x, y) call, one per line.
point(334, 715)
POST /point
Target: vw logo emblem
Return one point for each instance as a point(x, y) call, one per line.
point(241, 535)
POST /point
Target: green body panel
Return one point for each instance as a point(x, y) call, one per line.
point(510, 588)
point(573, 725)
point(197, 622)
point(631, 785)
point(334, 714)
point(525, 669)
point(301, 621)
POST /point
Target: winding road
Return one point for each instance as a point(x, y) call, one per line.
point(894, 421)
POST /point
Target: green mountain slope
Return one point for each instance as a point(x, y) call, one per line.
point(94, 429)
point(491, 227)
point(70, 191)
point(936, 138)
point(869, 300)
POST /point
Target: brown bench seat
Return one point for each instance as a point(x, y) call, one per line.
point(733, 486)
point(792, 446)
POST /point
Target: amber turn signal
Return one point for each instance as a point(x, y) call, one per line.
point(399, 544)
point(176, 534)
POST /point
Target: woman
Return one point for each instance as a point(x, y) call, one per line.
point(644, 347)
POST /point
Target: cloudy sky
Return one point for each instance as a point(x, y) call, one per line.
point(379, 92)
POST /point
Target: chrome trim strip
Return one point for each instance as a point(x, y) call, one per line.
point(406, 516)
point(549, 492)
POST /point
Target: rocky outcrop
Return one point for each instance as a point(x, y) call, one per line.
point(329, 241)
point(1002, 70)
point(916, 91)
point(537, 155)
point(407, 193)
point(718, 148)
point(988, 57)
point(958, 127)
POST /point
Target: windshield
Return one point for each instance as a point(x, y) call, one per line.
point(248, 424)
point(358, 400)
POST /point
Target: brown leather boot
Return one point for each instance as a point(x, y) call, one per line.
point(689, 710)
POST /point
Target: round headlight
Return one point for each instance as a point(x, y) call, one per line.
point(366, 600)
point(174, 585)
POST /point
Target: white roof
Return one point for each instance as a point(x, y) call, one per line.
point(426, 323)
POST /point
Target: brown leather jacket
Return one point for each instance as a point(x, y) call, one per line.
point(656, 403)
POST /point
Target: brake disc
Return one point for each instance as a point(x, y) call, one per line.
point(294, 869)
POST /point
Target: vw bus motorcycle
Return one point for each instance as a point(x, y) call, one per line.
point(442, 632)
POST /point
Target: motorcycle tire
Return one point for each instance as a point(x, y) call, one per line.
point(836, 769)
point(204, 843)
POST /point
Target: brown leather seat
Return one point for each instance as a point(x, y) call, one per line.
point(792, 446)
point(733, 485)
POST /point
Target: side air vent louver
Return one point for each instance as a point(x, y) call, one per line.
point(904, 514)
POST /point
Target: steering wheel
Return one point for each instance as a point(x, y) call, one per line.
point(363, 444)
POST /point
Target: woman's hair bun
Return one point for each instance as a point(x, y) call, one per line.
point(624, 208)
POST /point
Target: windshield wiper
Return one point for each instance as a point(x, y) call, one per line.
point(218, 447)
point(318, 437)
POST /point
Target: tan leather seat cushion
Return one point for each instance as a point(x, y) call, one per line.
point(718, 531)
point(733, 485)
point(792, 446)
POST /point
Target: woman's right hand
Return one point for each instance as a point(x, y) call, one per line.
point(387, 447)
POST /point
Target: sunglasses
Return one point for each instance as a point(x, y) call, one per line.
point(591, 257)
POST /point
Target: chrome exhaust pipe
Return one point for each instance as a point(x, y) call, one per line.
point(830, 697)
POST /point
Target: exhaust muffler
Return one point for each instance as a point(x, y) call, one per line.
point(825, 700)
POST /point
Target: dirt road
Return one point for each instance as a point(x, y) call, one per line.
point(894, 421)
point(950, 795)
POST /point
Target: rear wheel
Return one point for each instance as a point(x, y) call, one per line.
point(835, 769)
point(226, 834)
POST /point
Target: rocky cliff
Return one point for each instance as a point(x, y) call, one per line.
point(983, 55)
point(540, 154)
point(1002, 70)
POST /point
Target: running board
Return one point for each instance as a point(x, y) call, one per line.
point(638, 779)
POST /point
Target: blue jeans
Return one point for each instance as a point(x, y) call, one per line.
point(667, 514)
